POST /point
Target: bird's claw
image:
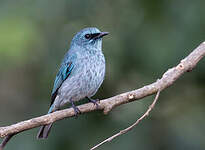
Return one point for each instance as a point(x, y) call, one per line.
point(94, 101)
point(76, 109)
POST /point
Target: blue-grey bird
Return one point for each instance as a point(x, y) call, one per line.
point(81, 73)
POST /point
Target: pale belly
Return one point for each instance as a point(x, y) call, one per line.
point(84, 83)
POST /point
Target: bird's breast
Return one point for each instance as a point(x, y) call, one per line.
point(85, 79)
point(93, 73)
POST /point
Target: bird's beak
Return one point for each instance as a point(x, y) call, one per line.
point(102, 34)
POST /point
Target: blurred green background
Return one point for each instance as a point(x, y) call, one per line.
point(146, 38)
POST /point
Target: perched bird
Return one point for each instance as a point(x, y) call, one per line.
point(81, 73)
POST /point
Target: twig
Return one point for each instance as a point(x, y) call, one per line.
point(168, 78)
point(130, 127)
point(5, 141)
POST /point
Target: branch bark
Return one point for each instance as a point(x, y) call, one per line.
point(168, 78)
point(5, 141)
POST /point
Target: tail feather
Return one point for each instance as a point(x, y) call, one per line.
point(44, 131)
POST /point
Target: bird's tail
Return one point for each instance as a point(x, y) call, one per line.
point(45, 130)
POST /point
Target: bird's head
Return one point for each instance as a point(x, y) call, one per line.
point(89, 38)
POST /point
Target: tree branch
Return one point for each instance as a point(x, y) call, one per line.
point(130, 127)
point(168, 78)
point(5, 141)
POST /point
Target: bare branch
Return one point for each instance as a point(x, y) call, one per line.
point(5, 141)
point(168, 78)
point(130, 127)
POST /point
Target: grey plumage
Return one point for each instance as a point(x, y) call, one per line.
point(81, 72)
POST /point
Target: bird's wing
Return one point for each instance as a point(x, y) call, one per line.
point(64, 72)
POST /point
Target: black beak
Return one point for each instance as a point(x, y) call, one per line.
point(102, 34)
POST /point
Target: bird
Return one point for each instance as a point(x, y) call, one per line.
point(80, 75)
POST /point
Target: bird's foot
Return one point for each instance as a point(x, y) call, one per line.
point(76, 109)
point(94, 101)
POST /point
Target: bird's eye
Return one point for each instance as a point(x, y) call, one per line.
point(87, 36)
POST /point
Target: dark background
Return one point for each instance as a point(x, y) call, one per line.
point(146, 38)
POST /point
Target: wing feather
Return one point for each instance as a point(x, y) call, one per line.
point(64, 72)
